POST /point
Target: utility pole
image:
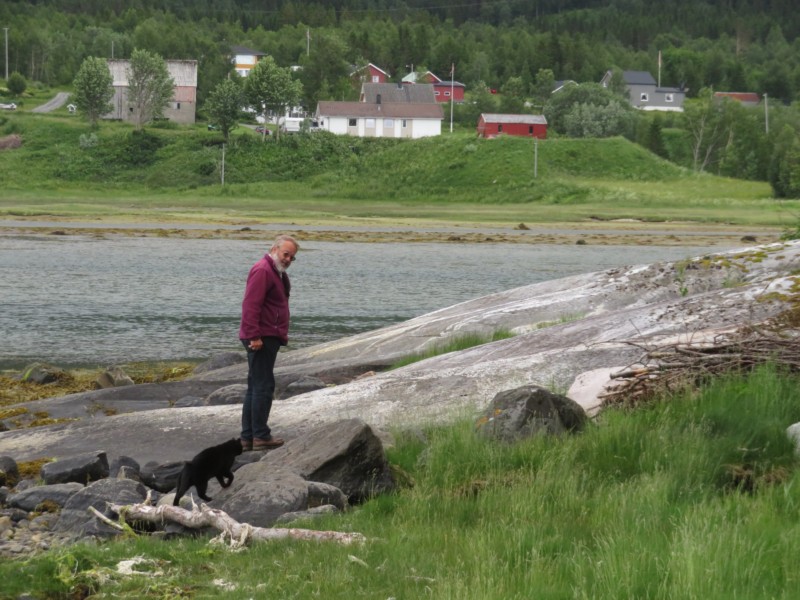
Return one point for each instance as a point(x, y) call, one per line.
point(535, 157)
point(452, 96)
point(112, 49)
point(766, 113)
point(6, 30)
point(222, 170)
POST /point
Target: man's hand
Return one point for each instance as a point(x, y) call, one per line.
point(256, 344)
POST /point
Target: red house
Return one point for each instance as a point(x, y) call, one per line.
point(745, 98)
point(443, 90)
point(370, 74)
point(492, 125)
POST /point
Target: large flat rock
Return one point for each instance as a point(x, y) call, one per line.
point(576, 329)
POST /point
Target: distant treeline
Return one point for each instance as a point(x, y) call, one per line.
point(729, 45)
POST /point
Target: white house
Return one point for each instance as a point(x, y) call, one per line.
point(183, 106)
point(390, 120)
point(645, 94)
point(244, 59)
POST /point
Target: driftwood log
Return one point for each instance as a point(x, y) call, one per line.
point(238, 534)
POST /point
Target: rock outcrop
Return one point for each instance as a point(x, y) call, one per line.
point(570, 335)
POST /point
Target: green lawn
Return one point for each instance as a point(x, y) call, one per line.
point(64, 169)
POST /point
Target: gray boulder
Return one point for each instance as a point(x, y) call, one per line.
point(219, 361)
point(113, 377)
point(82, 468)
point(324, 494)
point(9, 471)
point(75, 517)
point(530, 410)
point(162, 476)
point(58, 494)
point(346, 454)
point(230, 394)
point(261, 493)
point(121, 462)
point(42, 373)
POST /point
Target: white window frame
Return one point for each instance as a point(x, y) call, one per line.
point(669, 98)
point(370, 123)
point(644, 97)
point(388, 123)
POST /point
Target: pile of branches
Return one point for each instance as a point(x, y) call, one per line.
point(673, 368)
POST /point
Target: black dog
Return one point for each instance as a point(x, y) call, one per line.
point(211, 462)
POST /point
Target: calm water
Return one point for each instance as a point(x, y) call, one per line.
point(81, 300)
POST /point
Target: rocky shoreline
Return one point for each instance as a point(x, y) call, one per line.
point(604, 233)
point(616, 315)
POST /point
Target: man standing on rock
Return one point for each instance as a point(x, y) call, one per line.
point(263, 330)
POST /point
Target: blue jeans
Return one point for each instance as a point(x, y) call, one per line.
point(260, 388)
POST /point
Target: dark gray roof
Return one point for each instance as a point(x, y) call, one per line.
point(392, 110)
point(397, 92)
point(638, 78)
point(246, 51)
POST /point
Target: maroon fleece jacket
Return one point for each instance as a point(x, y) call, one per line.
point(265, 307)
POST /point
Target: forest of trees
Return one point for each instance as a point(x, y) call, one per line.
point(518, 47)
point(732, 45)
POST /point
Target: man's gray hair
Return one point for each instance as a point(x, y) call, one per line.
point(285, 238)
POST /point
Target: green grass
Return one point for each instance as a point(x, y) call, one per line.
point(461, 342)
point(173, 173)
point(696, 496)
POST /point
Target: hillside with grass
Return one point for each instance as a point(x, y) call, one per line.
point(62, 161)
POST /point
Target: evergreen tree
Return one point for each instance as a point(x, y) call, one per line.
point(94, 88)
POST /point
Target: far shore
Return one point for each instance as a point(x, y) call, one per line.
point(622, 232)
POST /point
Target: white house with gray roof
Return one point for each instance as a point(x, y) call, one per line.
point(380, 119)
point(645, 94)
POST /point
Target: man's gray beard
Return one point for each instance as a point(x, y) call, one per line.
point(278, 265)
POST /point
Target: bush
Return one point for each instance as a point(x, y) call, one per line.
point(16, 84)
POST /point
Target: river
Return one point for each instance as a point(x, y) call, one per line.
point(85, 300)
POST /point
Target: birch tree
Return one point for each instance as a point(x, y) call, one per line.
point(269, 87)
point(150, 87)
point(94, 88)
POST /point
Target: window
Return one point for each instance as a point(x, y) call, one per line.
point(352, 122)
point(644, 98)
point(388, 123)
point(500, 128)
point(530, 129)
point(376, 79)
point(370, 124)
point(669, 98)
point(405, 123)
point(447, 93)
point(177, 106)
point(436, 93)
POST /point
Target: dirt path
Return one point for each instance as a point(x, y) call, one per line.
point(56, 102)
